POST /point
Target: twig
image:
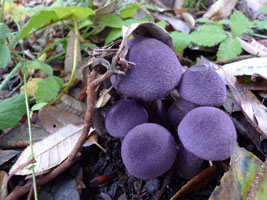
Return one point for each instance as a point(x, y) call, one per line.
point(220, 62)
point(93, 82)
point(257, 181)
point(30, 194)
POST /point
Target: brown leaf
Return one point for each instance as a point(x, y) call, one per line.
point(6, 155)
point(69, 58)
point(53, 118)
point(51, 151)
point(221, 9)
point(103, 98)
point(254, 47)
point(72, 105)
point(18, 137)
point(3, 189)
point(105, 10)
point(197, 183)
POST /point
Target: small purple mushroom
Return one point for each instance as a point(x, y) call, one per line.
point(123, 116)
point(155, 73)
point(148, 151)
point(188, 165)
point(203, 86)
point(208, 133)
point(178, 110)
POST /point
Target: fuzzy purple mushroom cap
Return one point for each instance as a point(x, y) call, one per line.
point(203, 86)
point(148, 151)
point(178, 110)
point(189, 165)
point(155, 73)
point(123, 116)
point(208, 133)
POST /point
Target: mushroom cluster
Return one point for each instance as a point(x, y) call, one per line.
point(148, 148)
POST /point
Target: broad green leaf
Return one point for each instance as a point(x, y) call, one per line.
point(80, 13)
point(48, 89)
point(129, 10)
point(264, 9)
point(262, 25)
point(4, 55)
point(4, 32)
point(181, 40)
point(205, 20)
point(37, 64)
point(236, 183)
point(11, 111)
point(40, 19)
point(111, 20)
point(113, 35)
point(224, 22)
point(38, 106)
point(208, 35)
point(239, 23)
point(85, 23)
point(90, 45)
point(163, 24)
point(229, 48)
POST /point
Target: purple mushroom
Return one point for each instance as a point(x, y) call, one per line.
point(123, 116)
point(188, 165)
point(208, 133)
point(178, 110)
point(148, 151)
point(203, 86)
point(155, 73)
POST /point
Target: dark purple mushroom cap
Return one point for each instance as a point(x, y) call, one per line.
point(208, 133)
point(203, 86)
point(189, 165)
point(178, 110)
point(156, 73)
point(123, 116)
point(148, 151)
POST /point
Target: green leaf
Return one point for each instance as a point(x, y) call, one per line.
point(261, 25)
point(181, 40)
point(113, 35)
point(111, 20)
point(80, 13)
point(37, 64)
point(40, 19)
point(205, 20)
point(128, 22)
point(163, 24)
point(4, 32)
point(85, 23)
point(208, 35)
point(38, 106)
point(236, 183)
point(129, 10)
point(11, 111)
point(239, 23)
point(48, 89)
point(4, 55)
point(264, 9)
point(229, 48)
point(224, 22)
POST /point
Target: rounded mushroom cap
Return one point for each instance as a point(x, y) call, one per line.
point(203, 86)
point(208, 133)
point(155, 73)
point(123, 116)
point(189, 165)
point(148, 151)
point(178, 110)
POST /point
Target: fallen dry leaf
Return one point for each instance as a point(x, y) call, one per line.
point(6, 155)
point(51, 151)
point(197, 183)
point(221, 9)
point(3, 189)
point(53, 118)
point(236, 182)
point(103, 99)
point(253, 47)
